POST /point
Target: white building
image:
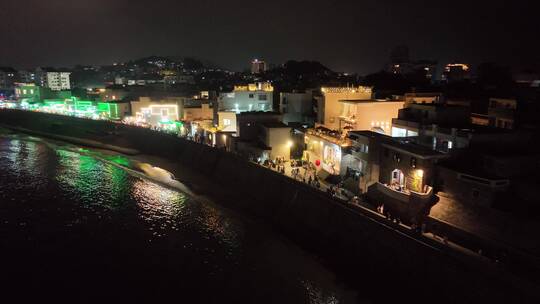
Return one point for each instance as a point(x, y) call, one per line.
point(374, 115)
point(248, 98)
point(227, 121)
point(277, 136)
point(329, 107)
point(52, 79)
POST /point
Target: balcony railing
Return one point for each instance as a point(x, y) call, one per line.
point(405, 123)
point(406, 195)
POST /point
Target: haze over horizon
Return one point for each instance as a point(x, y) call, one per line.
point(348, 36)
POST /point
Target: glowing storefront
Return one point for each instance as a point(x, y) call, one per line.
point(156, 112)
point(324, 151)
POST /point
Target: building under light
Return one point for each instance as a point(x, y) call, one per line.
point(329, 107)
point(393, 172)
point(456, 72)
point(261, 136)
point(157, 111)
point(248, 98)
point(53, 79)
point(374, 115)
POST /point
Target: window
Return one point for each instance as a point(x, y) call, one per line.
point(413, 162)
point(226, 122)
point(251, 95)
point(262, 97)
point(363, 148)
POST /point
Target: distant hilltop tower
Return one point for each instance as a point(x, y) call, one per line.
point(258, 66)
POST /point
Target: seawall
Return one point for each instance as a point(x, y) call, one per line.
point(373, 253)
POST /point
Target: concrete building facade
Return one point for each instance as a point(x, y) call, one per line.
point(329, 108)
point(53, 79)
point(248, 98)
point(296, 107)
point(374, 115)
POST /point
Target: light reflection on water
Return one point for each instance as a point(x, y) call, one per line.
point(110, 205)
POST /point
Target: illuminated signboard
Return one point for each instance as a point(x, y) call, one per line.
point(331, 158)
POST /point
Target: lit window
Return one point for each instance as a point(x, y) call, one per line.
point(226, 122)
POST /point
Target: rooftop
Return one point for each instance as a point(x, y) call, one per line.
point(274, 125)
point(262, 113)
point(360, 101)
point(367, 133)
point(398, 143)
point(415, 149)
point(470, 166)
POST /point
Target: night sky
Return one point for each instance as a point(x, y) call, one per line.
point(352, 36)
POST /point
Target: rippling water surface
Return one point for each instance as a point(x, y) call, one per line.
point(76, 227)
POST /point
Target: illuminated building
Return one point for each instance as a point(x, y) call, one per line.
point(53, 79)
point(456, 72)
point(375, 115)
point(395, 173)
point(258, 66)
point(112, 93)
point(329, 107)
point(261, 135)
point(435, 124)
point(156, 111)
point(480, 119)
point(198, 111)
point(33, 94)
point(113, 109)
point(276, 136)
point(423, 98)
point(73, 106)
point(30, 93)
point(227, 121)
point(324, 150)
point(247, 98)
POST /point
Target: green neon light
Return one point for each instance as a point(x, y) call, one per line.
point(110, 109)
